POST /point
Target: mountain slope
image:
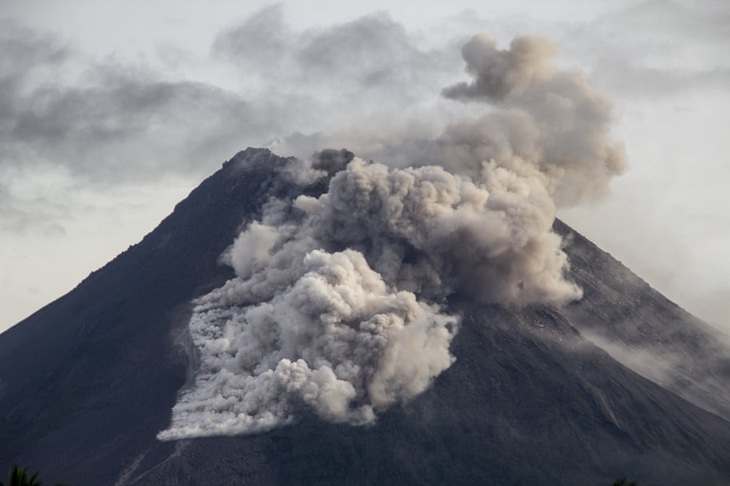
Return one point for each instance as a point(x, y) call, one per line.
point(639, 327)
point(87, 382)
point(97, 368)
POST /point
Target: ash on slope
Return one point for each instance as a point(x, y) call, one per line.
point(337, 302)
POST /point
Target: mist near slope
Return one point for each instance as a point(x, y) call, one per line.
point(337, 304)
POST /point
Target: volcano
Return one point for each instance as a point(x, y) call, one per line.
point(618, 383)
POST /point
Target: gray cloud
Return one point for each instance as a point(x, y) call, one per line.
point(26, 51)
point(260, 42)
point(122, 128)
point(369, 57)
point(111, 121)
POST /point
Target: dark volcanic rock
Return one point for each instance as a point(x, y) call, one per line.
point(87, 382)
point(646, 332)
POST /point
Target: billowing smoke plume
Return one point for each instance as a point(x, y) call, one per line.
point(551, 124)
point(338, 303)
point(315, 328)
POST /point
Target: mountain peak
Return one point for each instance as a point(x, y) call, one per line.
point(88, 382)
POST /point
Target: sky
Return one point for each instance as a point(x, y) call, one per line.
point(111, 112)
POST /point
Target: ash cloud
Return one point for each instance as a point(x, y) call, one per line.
point(112, 121)
point(338, 305)
point(311, 329)
point(551, 122)
point(435, 233)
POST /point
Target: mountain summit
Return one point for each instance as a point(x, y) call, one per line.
point(440, 368)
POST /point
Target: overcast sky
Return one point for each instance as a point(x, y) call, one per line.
point(112, 111)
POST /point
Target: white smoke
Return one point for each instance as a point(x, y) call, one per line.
point(434, 233)
point(326, 332)
point(338, 302)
